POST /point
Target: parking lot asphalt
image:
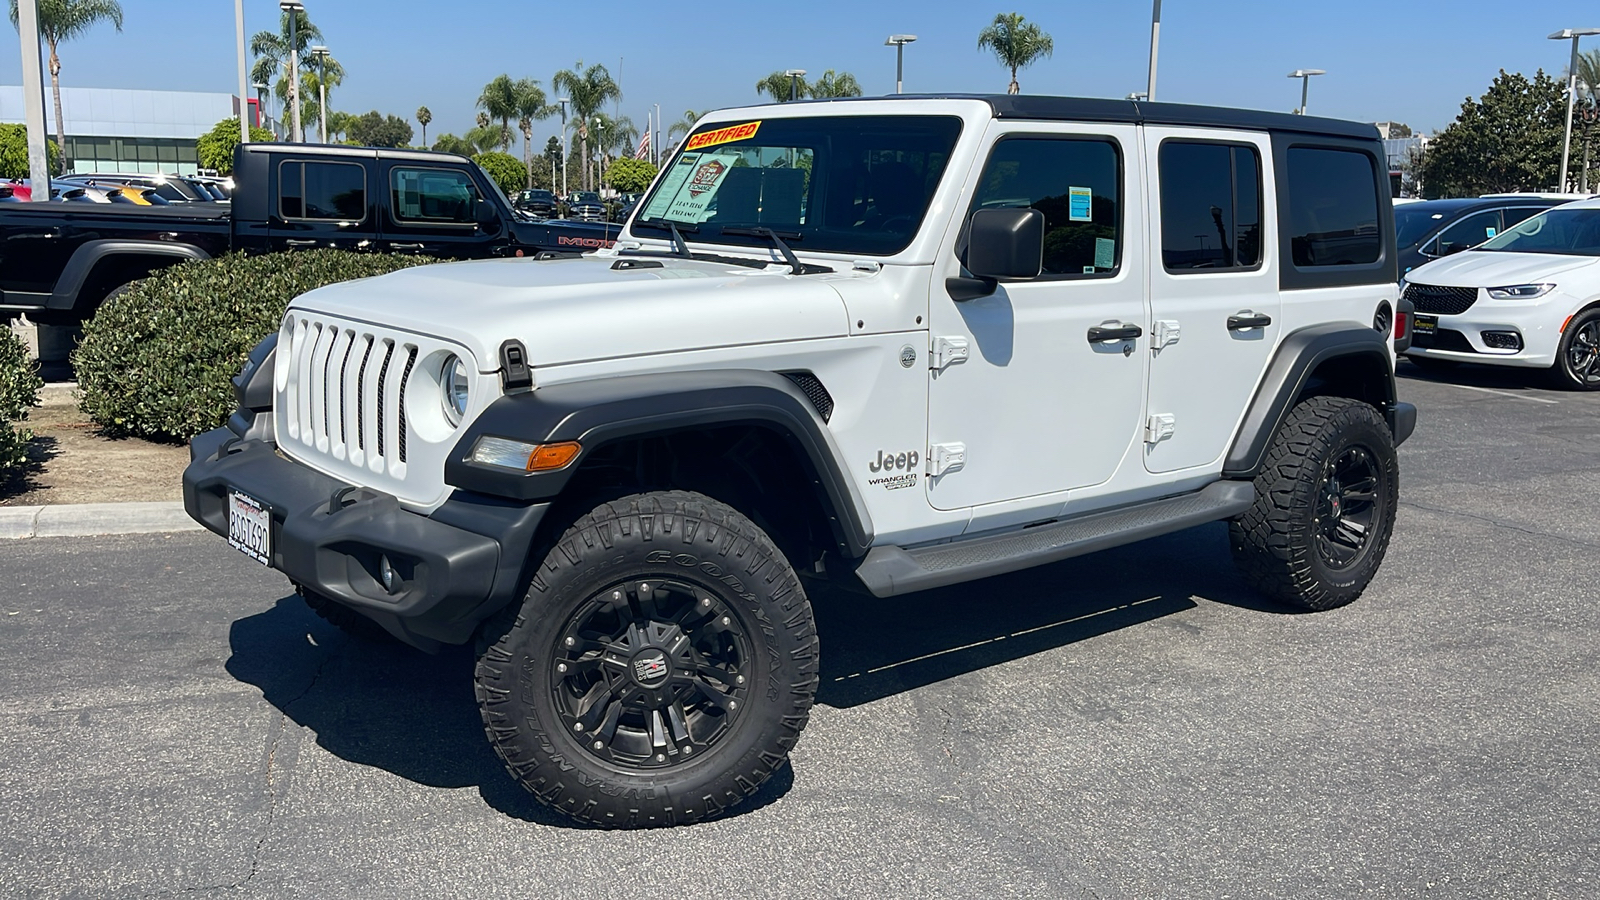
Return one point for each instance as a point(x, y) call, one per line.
point(1130, 724)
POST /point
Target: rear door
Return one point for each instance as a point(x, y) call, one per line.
point(1215, 309)
point(431, 210)
point(320, 203)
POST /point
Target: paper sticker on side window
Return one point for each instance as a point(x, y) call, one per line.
point(723, 136)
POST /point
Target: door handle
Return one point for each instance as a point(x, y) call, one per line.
point(1246, 319)
point(1105, 334)
point(394, 245)
point(299, 242)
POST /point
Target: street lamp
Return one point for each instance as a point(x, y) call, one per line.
point(1572, 91)
point(261, 101)
point(794, 82)
point(600, 145)
point(899, 42)
point(564, 101)
point(321, 53)
point(1138, 95)
point(1155, 42)
point(1305, 81)
point(294, 8)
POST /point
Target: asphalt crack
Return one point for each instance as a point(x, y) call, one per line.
point(1503, 523)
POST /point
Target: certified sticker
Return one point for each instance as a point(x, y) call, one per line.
point(722, 136)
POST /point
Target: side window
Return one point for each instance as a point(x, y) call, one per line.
point(1076, 183)
point(322, 190)
point(433, 196)
point(1210, 206)
point(1470, 232)
point(1515, 215)
point(1332, 208)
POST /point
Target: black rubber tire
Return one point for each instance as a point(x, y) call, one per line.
point(673, 535)
point(1274, 542)
point(343, 617)
point(1433, 364)
point(1561, 375)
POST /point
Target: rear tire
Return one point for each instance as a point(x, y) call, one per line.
point(1577, 365)
point(1325, 506)
point(659, 670)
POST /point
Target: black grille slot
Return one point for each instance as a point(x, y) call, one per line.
point(383, 375)
point(361, 396)
point(1442, 339)
point(405, 380)
point(344, 407)
point(811, 386)
point(1436, 300)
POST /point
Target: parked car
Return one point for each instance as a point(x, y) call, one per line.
point(1528, 297)
point(585, 206)
point(173, 190)
point(61, 260)
point(622, 205)
point(1430, 229)
point(986, 336)
point(536, 202)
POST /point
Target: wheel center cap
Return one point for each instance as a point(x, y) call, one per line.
point(650, 668)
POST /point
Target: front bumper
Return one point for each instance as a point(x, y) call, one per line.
point(457, 565)
point(1462, 337)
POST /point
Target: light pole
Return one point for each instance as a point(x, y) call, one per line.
point(244, 79)
point(794, 82)
point(1305, 81)
point(294, 8)
point(33, 100)
point(600, 150)
point(321, 53)
point(1572, 92)
point(564, 101)
point(899, 42)
point(261, 101)
point(1155, 43)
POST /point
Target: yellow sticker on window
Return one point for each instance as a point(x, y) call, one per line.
point(722, 136)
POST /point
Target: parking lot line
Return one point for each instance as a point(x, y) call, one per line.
point(1468, 387)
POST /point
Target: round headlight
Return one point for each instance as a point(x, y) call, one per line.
point(456, 389)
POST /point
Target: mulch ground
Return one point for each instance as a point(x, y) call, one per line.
point(72, 462)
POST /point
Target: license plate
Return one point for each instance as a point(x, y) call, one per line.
point(250, 527)
point(1425, 324)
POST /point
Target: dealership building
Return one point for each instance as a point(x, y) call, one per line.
point(129, 131)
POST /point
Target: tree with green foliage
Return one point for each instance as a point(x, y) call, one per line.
point(1507, 140)
point(783, 88)
point(498, 100)
point(271, 50)
point(552, 153)
point(1587, 116)
point(374, 129)
point(631, 176)
point(215, 147)
point(311, 91)
point(339, 125)
point(14, 151)
point(530, 105)
point(424, 116)
point(835, 84)
point(683, 126)
point(19, 392)
point(449, 143)
point(63, 20)
point(503, 169)
point(589, 90)
point(1016, 42)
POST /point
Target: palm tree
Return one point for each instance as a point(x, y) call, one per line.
point(530, 104)
point(1588, 96)
point(338, 124)
point(832, 84)
point(272, 56)
point(424, 116)
point(1016, 42)
point(684, 125)
point(499, 100)
point(783, 88)
point(63, 20)
point(588, 89)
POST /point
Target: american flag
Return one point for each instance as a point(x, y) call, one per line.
point(643, 151)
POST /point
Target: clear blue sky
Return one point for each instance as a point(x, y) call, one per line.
point(1403, 60)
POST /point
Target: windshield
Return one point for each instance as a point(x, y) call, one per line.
point(1413, 221)
point(1564, 231)
point(845, 184)
point(586, 197)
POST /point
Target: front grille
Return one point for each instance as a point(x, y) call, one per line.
point(1442, 339)
point(1437, 300)
point(345, 390)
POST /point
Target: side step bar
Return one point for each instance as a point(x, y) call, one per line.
point(891, 570)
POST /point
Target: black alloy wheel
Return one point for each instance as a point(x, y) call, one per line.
point(1578, 360)
point(649, 672)
point(1347, 507)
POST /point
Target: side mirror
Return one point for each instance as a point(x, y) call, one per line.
point(1001, 243)
point(485, 215)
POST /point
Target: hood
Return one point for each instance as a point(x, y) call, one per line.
point(1489, 268)
point(576, 310)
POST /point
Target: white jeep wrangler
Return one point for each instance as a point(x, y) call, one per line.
point(899, 343)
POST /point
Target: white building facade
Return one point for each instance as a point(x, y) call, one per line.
point(128, 131)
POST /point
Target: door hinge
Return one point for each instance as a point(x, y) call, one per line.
point(1165, 332)
point(944, 458)
point(946, 352)
point(1159, 427)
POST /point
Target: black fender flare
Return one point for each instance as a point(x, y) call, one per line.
point(77, 270)
point(600, 411)
point(1297, 358)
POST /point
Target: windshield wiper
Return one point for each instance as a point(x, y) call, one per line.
point(795, 266)
point(678, 244)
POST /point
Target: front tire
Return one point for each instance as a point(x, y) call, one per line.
point(1325, 506)
point(660, 668)
point(1577, 365)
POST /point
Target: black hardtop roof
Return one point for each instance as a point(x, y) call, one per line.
point(1093, 109)
point(347, 150)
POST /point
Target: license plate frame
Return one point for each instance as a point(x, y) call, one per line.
point(1424, 324)
point(250, 526)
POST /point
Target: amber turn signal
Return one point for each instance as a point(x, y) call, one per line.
point(522, 456)
point(553, 456)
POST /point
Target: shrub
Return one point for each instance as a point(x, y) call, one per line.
point(504, 169)
point(19, 391)
point(215, 148)
point(157, 360)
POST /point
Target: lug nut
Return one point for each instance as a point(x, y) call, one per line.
point(726, 620)
point(661, 757)
point(644, 588)
point(688, 750)
point(561, 667)
point(739, 679)
point(578, 727)
point(599, 745)
point(705, 601)
point(572, 641)
point(732, 704)
point(616, 595)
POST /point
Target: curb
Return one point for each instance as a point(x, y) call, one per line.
point(93, 519)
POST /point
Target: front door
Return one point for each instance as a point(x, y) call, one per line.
point(1045, 401)
point(432, 211)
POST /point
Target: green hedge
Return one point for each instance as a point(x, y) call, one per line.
point(19, 391)
point(157, 360)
